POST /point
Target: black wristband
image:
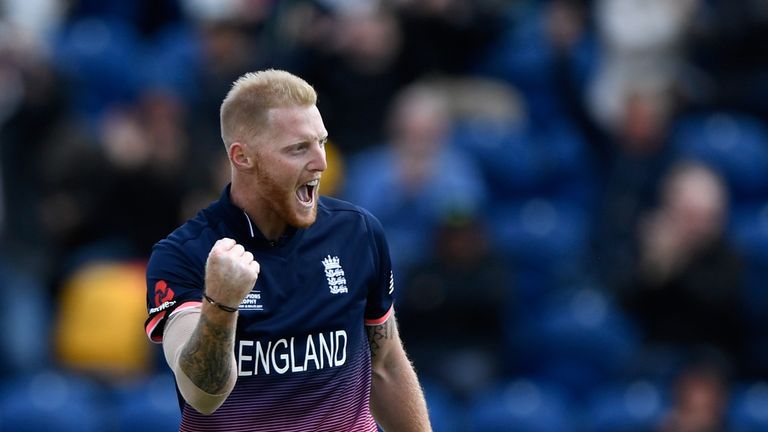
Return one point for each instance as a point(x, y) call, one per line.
point(219, 305)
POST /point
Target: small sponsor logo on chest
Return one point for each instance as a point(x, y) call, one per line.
point(252, 301)
point(337, 282)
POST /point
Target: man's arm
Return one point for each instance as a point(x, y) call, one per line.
point(205, 376)
point(200, 347)
point(397, 401)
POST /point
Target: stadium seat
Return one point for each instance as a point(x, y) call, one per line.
point(96, 55)
point(521, 406)
point(735, 145)
point(635, 406)
point(445, 414)
point(510, 163)
point(578, 339)
point(525, 56)
point(749, 408)
point(98, 328)
point(540, 232)
point(172, 62)
point(50, 401)
point(748, 228)
point(148, 406)
point(518, 160)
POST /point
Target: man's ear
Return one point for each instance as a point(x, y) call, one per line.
point(240, 156)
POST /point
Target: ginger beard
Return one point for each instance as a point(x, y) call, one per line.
point(284, 200)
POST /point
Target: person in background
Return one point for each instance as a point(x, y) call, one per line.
point(700, 400)
point(463, 290)
point(686, 288)
point(420, 177)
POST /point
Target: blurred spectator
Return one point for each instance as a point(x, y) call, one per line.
point(641, 39)
point(687, 285)
point(700, 400)
point(416, 179)
point(462, 292)
point(356, 70)
point(232, 38)
point(634, 157)
point(96, 196)
point(445, 36)
point(32, 99)
point(724, 45)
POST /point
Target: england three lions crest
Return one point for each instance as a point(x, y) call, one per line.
point(337, 282)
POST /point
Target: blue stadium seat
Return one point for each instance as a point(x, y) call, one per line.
point(50, 401)
point(749, 408)
point(148, 406)
point(636, 406)
point(173, 62)
point(578, 339)
point(735, 145)
point(101, 58)
point(445, 414)
point(520, 161)
point(748, 227)
point(540, 232)
point(521, 406)
point(525, 56)
point(510, 163)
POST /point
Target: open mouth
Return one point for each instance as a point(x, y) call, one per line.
point(306, 192)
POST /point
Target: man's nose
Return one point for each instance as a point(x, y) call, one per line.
point(318, 161)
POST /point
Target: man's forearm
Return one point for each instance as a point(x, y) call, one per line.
point(207, 373)
point(207, 358)
point(397, 401)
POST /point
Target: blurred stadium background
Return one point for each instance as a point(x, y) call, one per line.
point(575, 193)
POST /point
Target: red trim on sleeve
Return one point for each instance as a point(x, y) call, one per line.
point(152, 324)
point(382, 320)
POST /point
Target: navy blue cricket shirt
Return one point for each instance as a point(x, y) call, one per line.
point(301, 347)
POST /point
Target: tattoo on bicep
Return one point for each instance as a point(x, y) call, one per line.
point(378, 334)
point(206, 359)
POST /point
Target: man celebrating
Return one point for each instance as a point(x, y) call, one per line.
point(274, 305)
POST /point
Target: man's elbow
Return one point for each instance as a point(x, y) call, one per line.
point(202, 402)
point(204, 408)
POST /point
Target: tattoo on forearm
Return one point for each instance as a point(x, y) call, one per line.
point(377, 334)
point(207, 357)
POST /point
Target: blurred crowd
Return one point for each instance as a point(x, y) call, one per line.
point(575, 193)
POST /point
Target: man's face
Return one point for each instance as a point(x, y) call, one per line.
point(290, 162)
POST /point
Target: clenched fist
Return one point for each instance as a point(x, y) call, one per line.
point(230, 272)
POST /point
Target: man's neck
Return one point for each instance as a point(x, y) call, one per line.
point(271, 226)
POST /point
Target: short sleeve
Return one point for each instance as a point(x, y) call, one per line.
point(175, 282)
point(379, 304)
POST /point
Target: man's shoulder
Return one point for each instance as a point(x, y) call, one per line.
point(333, 212)
point(339, 207)
point(196, 233)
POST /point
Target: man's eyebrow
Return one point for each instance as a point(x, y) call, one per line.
point(321, 139)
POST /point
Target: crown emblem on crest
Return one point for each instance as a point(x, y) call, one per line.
point(337, 281)
point(331, 262)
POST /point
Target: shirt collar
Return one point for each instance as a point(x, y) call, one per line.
point(238, 219)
